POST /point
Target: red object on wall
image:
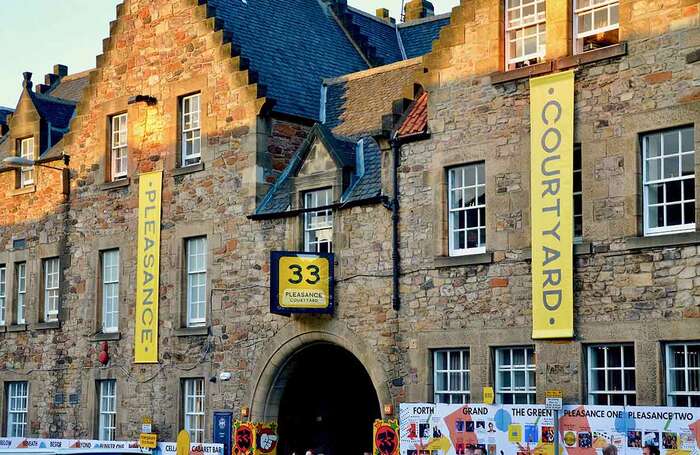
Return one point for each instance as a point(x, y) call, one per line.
point(103, 356)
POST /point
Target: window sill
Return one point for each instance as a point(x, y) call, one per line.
point(112, 336)
point(191, 169)
point(658, 241)
point(467, 259)
point(23, 190)
point(604, 53)
point(192, 331)
point(3, 329)
point(121, 183)
point(17, 328)
point(53, 325)
point(521, 73)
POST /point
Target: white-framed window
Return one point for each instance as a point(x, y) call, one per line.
point(110, 291)
point(119, 146)
point(467, 209)
point(515, 375)
point(3, 294)
point(318, 225)
point(611, 375)
point(196, 251)
point(191, 130)
point(683, 374)
point(596, 24)
point(194, 408)
point(17, 401)
point(107, 430)
point(21, 281)
point(669, 181)
point(51, 280)
point(26, 150)
point(451, 376)
point(578, 194)
point(525, 24)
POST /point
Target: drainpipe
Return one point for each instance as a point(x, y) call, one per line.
point(396, 149)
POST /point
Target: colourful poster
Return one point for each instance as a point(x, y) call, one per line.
point(243, 438)
point(551, 200)
point(163, 448)
point(266, 438)
point(385, 437)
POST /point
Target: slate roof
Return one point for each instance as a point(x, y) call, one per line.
point(418, 36)
point(363, 186)
point(380, 35)
point(4, 112)
point(54, 110)
point(314, 47)
point(71, 87)
point(356, 103)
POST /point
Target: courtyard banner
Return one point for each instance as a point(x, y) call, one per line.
point(442, 429)
point(147, 268)
point(89, 445)
point(551, 201)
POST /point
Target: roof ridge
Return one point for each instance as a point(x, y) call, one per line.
point(75, 76)
point(424, 20)
point(373, 71)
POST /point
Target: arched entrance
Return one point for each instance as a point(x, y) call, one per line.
point(326, 402)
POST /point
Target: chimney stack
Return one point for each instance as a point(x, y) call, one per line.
point(418, 9)
point(59, 72)
point(27, 81)
point(383, 14)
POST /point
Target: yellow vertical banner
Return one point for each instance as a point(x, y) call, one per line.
point(551, 183)
point(148, 267)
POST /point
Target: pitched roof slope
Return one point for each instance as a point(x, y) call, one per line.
point(292, 45)
point(4, 112)
point(415, 121)
point(418, 36)
point(71, 87)
point(356, 103)
point(56, 111)
point(380, 35)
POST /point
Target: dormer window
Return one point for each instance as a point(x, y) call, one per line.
point(119, 147)
point(191, 130)
point(26, 173)
point(596, 24)
point(318, 225)
point(525, 32)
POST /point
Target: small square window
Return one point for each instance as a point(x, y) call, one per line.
point(611, 375)
point(515, 375)
point(451, 376)
point(683, 374)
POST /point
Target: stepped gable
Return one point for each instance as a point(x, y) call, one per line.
point(291, 45)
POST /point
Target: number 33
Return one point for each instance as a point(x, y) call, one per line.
point(299, 277)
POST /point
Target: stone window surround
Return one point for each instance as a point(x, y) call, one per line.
point(11, 376)
point(198, 373)
point(92, 399)
point(176, 272)
point(172, 111)
point(103, 136)
point(441, 163)
point(602, 391)
point(34, 309)
point(125, 244)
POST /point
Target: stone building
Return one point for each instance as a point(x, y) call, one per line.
point(277, 126)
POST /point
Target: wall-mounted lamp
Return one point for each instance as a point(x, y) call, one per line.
point(389, 410)
point(18, 161)
point(148, 99)
point(245, 411)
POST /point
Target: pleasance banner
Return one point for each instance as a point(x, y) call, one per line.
point(148, 268)
point(551, 183)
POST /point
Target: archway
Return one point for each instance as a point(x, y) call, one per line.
point(326, 402)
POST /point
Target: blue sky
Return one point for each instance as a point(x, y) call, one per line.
point(36, 34)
